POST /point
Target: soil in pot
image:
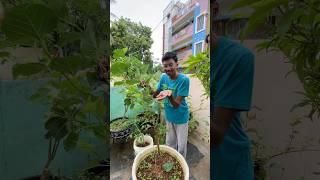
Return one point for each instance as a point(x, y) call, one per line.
point(144, 144)
point(163, 166)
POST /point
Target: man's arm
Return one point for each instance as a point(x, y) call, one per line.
point(182, 92)
point(175, 101)
point(221, 123)
point(154, 93)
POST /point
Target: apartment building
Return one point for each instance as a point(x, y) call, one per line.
point(185, 28)
point(226, 23)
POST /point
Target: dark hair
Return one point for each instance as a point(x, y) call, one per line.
point(170, 55)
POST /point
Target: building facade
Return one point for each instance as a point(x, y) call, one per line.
point(185, 28)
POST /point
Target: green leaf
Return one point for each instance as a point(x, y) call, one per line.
point(88, 43)
point(96, 107)
point(301, 104)
point(59, 7)
point(70, 64)
point(168, 166)
point(25, 23)
point(263, 45)
point(71, 141)
point(100, 131)
point(119, 53)
point(119, 68)
point(69, 37)
point(287, 19)
point(119, 83)
point(57, 127)
point(131, 82)
point(27, 69)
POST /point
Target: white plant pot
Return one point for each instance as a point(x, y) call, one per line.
point(163, 148)
point(137, 149)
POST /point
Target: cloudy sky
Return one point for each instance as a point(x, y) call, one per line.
point(149, 13)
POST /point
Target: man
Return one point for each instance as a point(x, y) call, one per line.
point(173, 88)
point(232, 70)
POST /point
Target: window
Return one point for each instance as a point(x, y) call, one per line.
point(198, 47)
point(200, 23)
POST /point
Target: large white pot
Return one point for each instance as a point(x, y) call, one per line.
point(164, 148)
point(137, 149)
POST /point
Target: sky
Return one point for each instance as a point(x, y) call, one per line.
point(149, 13)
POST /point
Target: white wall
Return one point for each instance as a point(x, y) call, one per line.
point(275, 95)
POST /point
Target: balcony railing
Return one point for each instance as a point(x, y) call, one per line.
point(188, 7)
point(183, 34)
point(184, 55)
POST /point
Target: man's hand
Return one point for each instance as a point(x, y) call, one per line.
point(164, 94)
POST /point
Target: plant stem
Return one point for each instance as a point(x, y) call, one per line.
point(45, 172)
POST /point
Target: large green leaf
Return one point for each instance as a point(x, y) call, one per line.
point(25, 23)
point(57, 127)
point(88, 43)
point(96, 106)
point(59, 7)
point(287, 19)
point(120, 53)
point(100, 131)
point(71, 141)
point(27, 69)
point(119, 68)
point(69, 37)
point(70, 64)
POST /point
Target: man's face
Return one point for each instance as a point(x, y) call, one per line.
point(170, 67)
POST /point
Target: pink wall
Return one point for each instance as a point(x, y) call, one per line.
point(204, 5)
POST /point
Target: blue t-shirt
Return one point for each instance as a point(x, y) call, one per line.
point(232, 71)
point(179, 87)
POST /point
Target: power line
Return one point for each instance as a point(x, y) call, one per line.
point(158, 25)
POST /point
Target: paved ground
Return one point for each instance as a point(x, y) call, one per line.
point(198, 156)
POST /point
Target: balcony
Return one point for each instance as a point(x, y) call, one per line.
point(184, 16)
point(183, 56)
point(182, 35)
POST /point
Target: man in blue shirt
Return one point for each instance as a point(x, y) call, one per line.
point(173, 88)
point(231, 76)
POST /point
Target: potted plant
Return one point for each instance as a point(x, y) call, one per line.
point(121, 128)
point(141, 140)
point(133, 77)
point(160, 161)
